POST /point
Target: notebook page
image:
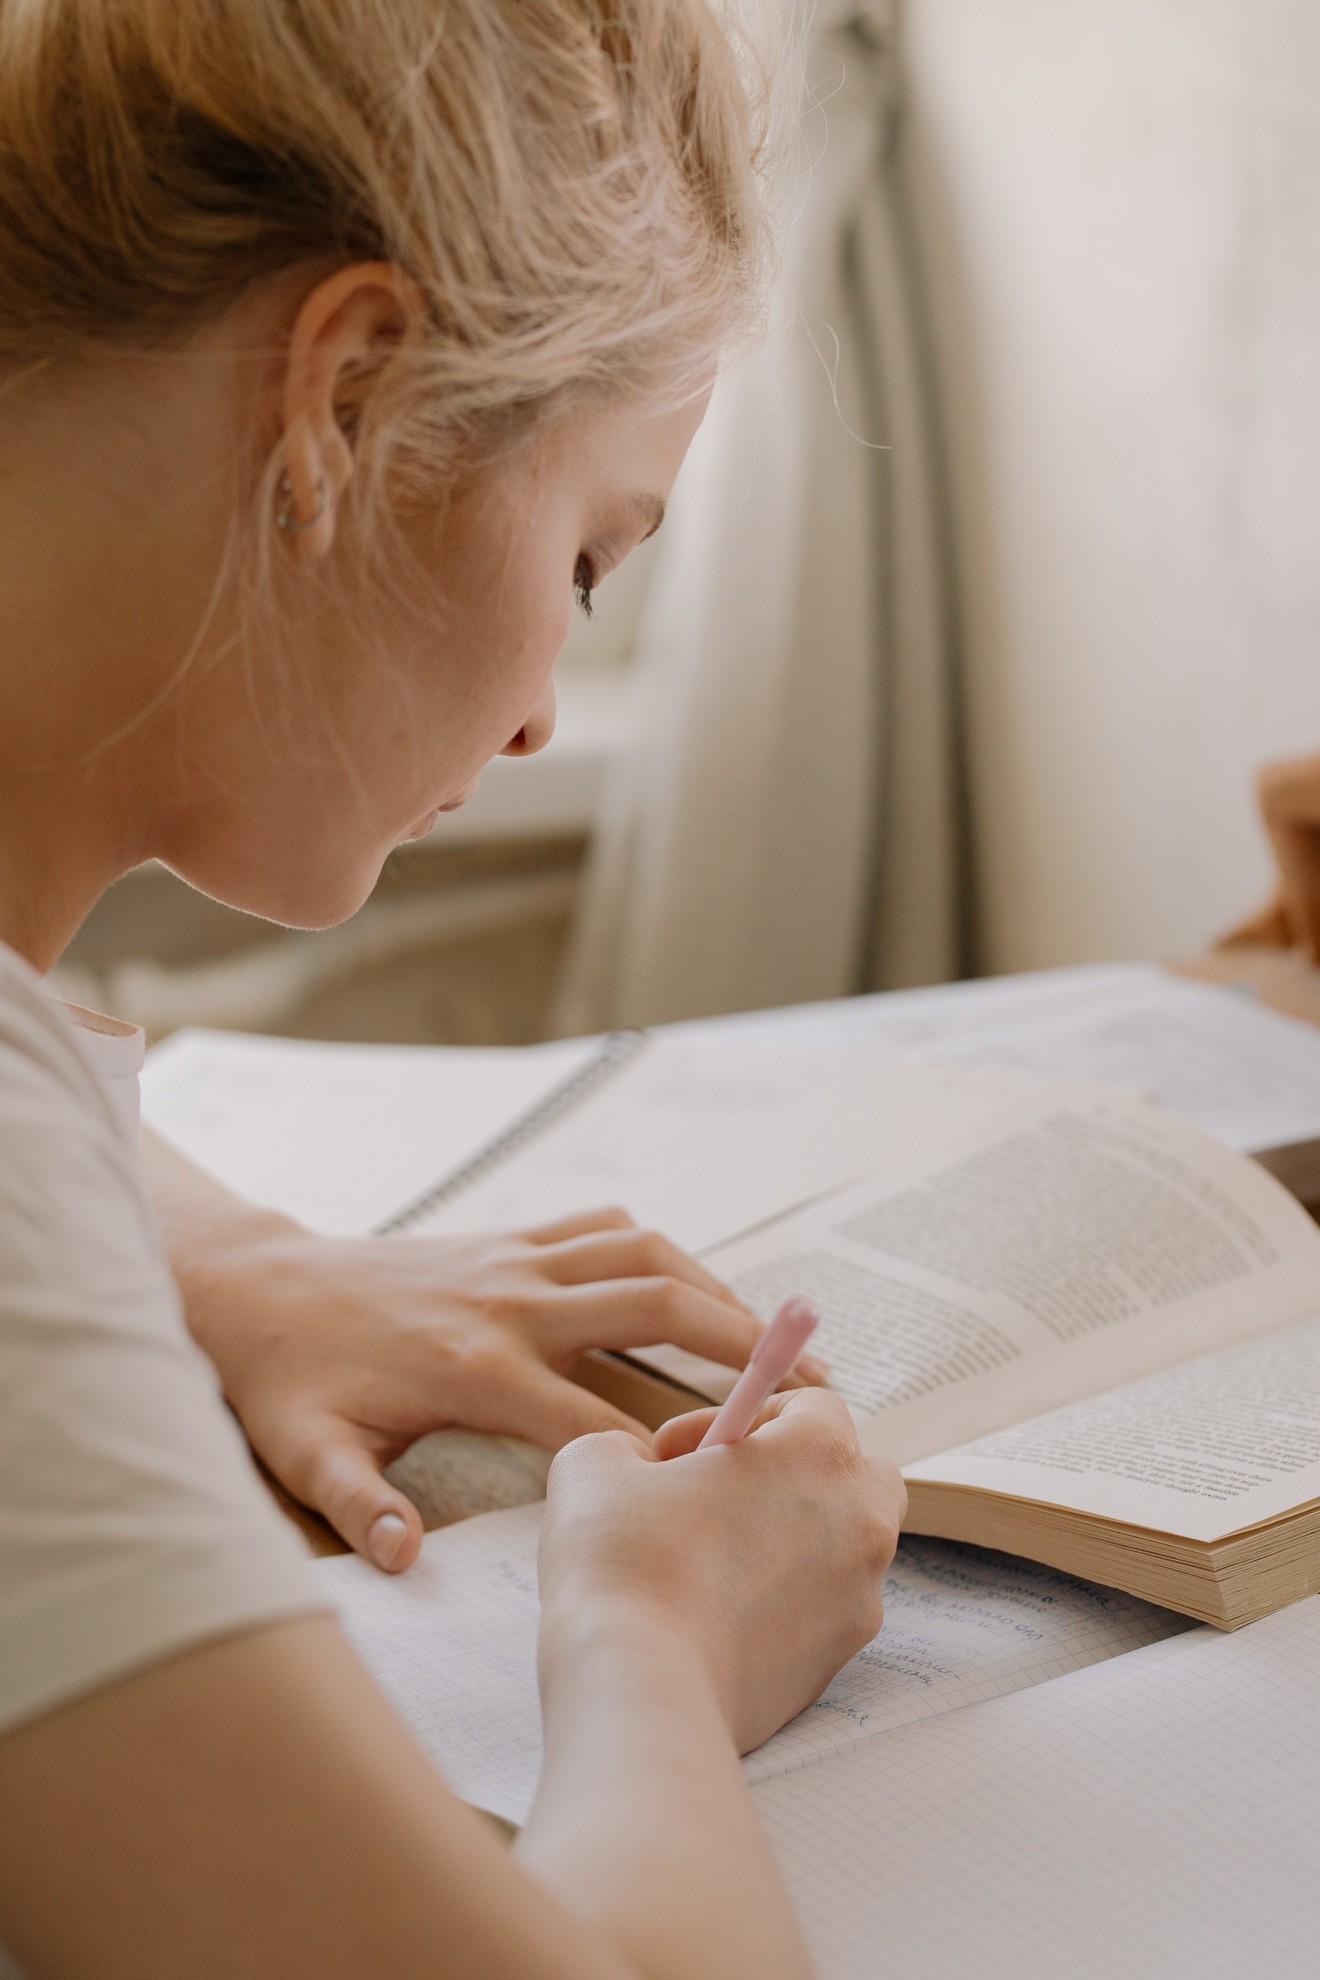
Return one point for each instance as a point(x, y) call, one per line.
point(453, 1644)
point(704, 1141)
point(1069, 1245)
point(1156, 1818)
point(341, 1136)
point(961, 1624)
point(1202, 1450)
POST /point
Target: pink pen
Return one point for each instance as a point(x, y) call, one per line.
point(772, 1358)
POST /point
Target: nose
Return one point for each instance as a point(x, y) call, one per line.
point(537, 730)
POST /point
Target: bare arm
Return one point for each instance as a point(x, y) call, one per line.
point(643, 1823)
point(254, 1807)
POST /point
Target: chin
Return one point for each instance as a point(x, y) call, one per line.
point(316, 898)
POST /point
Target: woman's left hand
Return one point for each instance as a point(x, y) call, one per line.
point(338, 1353)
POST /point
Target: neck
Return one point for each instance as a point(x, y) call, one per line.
point(60, 848)
point(75, 790)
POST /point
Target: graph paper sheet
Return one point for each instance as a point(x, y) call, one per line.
point(453, 1644)
point(1156, 1817)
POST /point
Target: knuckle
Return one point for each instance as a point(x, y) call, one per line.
point(653, 1251)
point(585, 1451)
point(667, 1298)
point(871, 1617)
point(835, 1446)
point(891, 1489)
point(880, 1536)
point(350, 1501)
point(480, 1365)
point(299, 1468)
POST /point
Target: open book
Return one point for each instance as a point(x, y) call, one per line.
point(940, 1335)
point(1090, 1335)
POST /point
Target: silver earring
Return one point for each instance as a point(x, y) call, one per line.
point(286, 518)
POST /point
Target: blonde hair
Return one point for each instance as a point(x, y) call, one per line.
point(573, 185)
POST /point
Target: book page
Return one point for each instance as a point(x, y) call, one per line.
point(703, 1141)
point(1202, 1450)
point(1068, 1245)
point(452, 1643)
point(1226, 1063)
point(1247, 1075)
point(924, 1021)
point(1156, 1815)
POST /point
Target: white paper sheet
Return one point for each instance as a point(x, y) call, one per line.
point(339, 1136)
point(453, 1644)
point(1156, 1817)
point(703, 1141)
point(1217, 1058)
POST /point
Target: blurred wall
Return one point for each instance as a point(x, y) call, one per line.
point(1115, 208)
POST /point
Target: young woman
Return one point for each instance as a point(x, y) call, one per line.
point(341, 341)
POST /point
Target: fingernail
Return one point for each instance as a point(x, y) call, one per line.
point(811, 1365)
point(386, 1537)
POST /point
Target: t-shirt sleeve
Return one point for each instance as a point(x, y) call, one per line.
point(132, 1520)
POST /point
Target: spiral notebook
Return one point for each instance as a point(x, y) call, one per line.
point(701, 1139)
point(614, 1050)
point(474, 1136)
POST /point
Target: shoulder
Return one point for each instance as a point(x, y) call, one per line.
point(134, 1523)
point(66, 1164)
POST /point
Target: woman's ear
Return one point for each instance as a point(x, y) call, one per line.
point(347, 324)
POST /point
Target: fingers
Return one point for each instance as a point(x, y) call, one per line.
point(605, 1253)
point(805, 1408)
point(806, 1413)
point(645, 1312)
point(625, 1252)
point(564, 1229)
point(681, 1434)
point(341, 1480)
point(632, 1313)
point(551, 1411)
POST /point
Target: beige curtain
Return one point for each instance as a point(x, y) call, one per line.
point(782, 826)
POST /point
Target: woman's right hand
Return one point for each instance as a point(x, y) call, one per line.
point(766, 1556)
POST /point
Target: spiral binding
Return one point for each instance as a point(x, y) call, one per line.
point(617, 1049)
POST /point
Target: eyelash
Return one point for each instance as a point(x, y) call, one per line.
point(584, 583)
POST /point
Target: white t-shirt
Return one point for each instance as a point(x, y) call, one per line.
point(132, 1520)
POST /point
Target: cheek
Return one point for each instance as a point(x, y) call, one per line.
point(512, 664)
